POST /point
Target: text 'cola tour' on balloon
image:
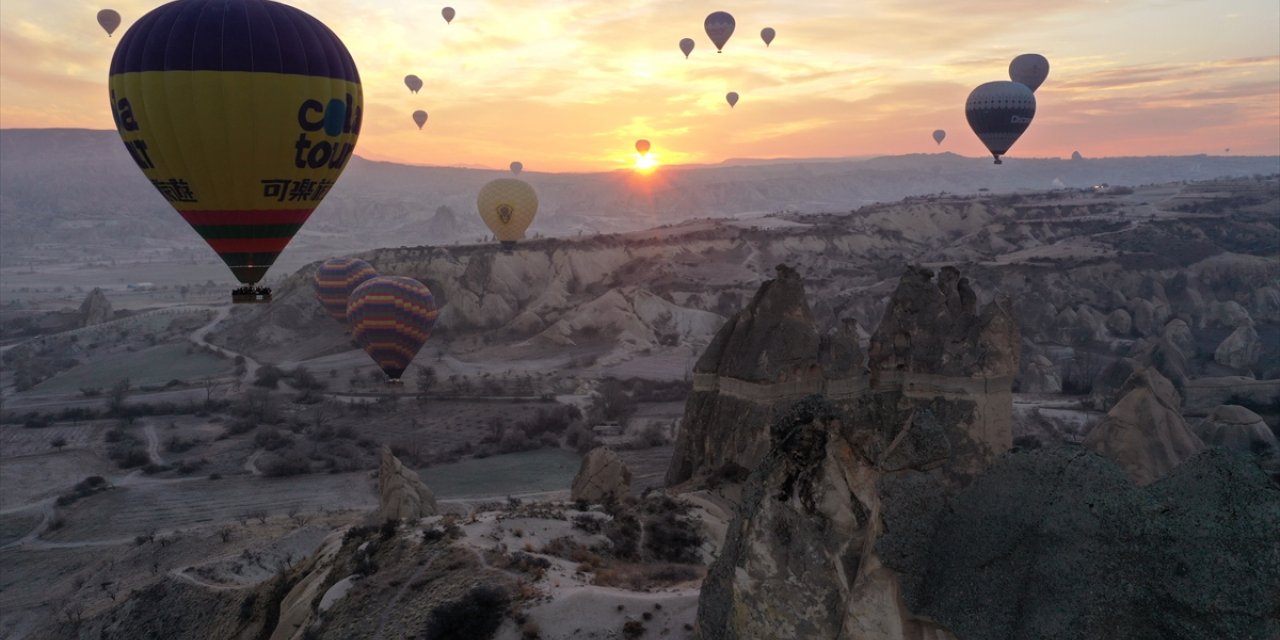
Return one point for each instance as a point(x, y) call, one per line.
point(245, 177)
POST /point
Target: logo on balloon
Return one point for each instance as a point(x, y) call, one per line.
point(334, 119)
point(505, 212)
point(1019, 120)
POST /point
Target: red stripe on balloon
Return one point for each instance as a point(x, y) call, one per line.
point(247, 217)
point(248, 245)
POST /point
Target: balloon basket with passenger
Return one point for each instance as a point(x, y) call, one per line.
point(251, 295)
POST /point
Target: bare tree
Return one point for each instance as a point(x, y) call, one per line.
point(225, 532)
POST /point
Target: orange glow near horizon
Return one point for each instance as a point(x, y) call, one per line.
point(569, 85)
point(646, 163)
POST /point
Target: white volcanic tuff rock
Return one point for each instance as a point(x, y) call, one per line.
point(1036, 372)
point(1144, 432)
point(637, 316)
point(95, 309)
point(1266, 304)
point(402, 493)
point(1178, 333)
point(1240, 350)
point(1229, 314)
point(1145, 316)
point(1237, 428)
point(1119, 322)
point(601, 476)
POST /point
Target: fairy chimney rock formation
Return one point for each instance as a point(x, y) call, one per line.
point(767, 356)
point(602, 476)
point(1144, 432)
point(402, 494)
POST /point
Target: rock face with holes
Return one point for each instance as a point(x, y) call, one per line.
point(95, 309)
point(402, 493)
point(603, 476)
point(766, 356)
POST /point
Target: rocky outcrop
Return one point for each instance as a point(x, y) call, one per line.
point(1057, 543)
point(1036, 372)
point(402, 493)
point(767, 355)
point(602, 477)
point(1178, 333)
point(95, 309)
point(1119, 322)
point(1144, 432)
point(799, 561)
point(1240, 350)
point(1239, 429)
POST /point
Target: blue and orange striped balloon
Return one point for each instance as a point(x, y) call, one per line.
point(334, 281)
point(242, 113)
point(391, 317)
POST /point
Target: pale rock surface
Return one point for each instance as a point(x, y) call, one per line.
point(602, 476)
point(1144, 432)
point(1237, 428)
point(1179, 334)
point(402, 492)
point(1240, 350)
point(1120, 323)
point(95, 309)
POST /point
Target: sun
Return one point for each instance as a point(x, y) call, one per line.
point(646, 163)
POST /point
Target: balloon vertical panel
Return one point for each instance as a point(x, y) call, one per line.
point(242, 113)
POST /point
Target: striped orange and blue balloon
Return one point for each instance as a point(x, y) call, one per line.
point(242, 114)
point(334, 281)
point(391, 318)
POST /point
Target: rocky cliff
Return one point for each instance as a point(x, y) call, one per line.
point(766, 356)
point(402, 494)
point(1145, 432)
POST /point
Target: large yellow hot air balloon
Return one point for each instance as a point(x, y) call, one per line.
point(242, 113)
point(507, 205)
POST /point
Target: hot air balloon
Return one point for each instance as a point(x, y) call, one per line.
point(391, 318)
point(448, 14)
point(768, 34)
point(732, 98)
point(420, 117)
point(109, 20)
point(1029, 69)
point(508, 206)
point(1075, 155)
point(334, 281)
point(999, 112)
point(642, 146)
point(413, 82)
point(719, 27)
point(939, 135)
point(242, 113)
point(686, 46)
point(517, 167)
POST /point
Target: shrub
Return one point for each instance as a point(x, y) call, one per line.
point(475, 616)
point(130, 457)
point(276, 466)
point(671, 538)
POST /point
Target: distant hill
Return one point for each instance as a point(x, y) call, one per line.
point(74, 194)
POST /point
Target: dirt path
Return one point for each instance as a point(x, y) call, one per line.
point(153, 444)
point(182, 575)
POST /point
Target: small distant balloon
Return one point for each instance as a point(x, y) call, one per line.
point(642, 146)
point(719, 26)
point(420, 117)
point(998, 112)
point(507, 206)
point(448, 14)
point(732, 98)
point(1029, 69)
point(334, 281)
point(1227, 150)
point(686, 46)
point(109, 20)
point(413, 82)
point(768, 34)
point(517, 167)
point(939, 135)
point(1075, 155)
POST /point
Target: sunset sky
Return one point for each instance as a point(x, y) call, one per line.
point(570, 85)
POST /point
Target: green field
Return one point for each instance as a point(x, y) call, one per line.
point(149, 367)
point(514, 473)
